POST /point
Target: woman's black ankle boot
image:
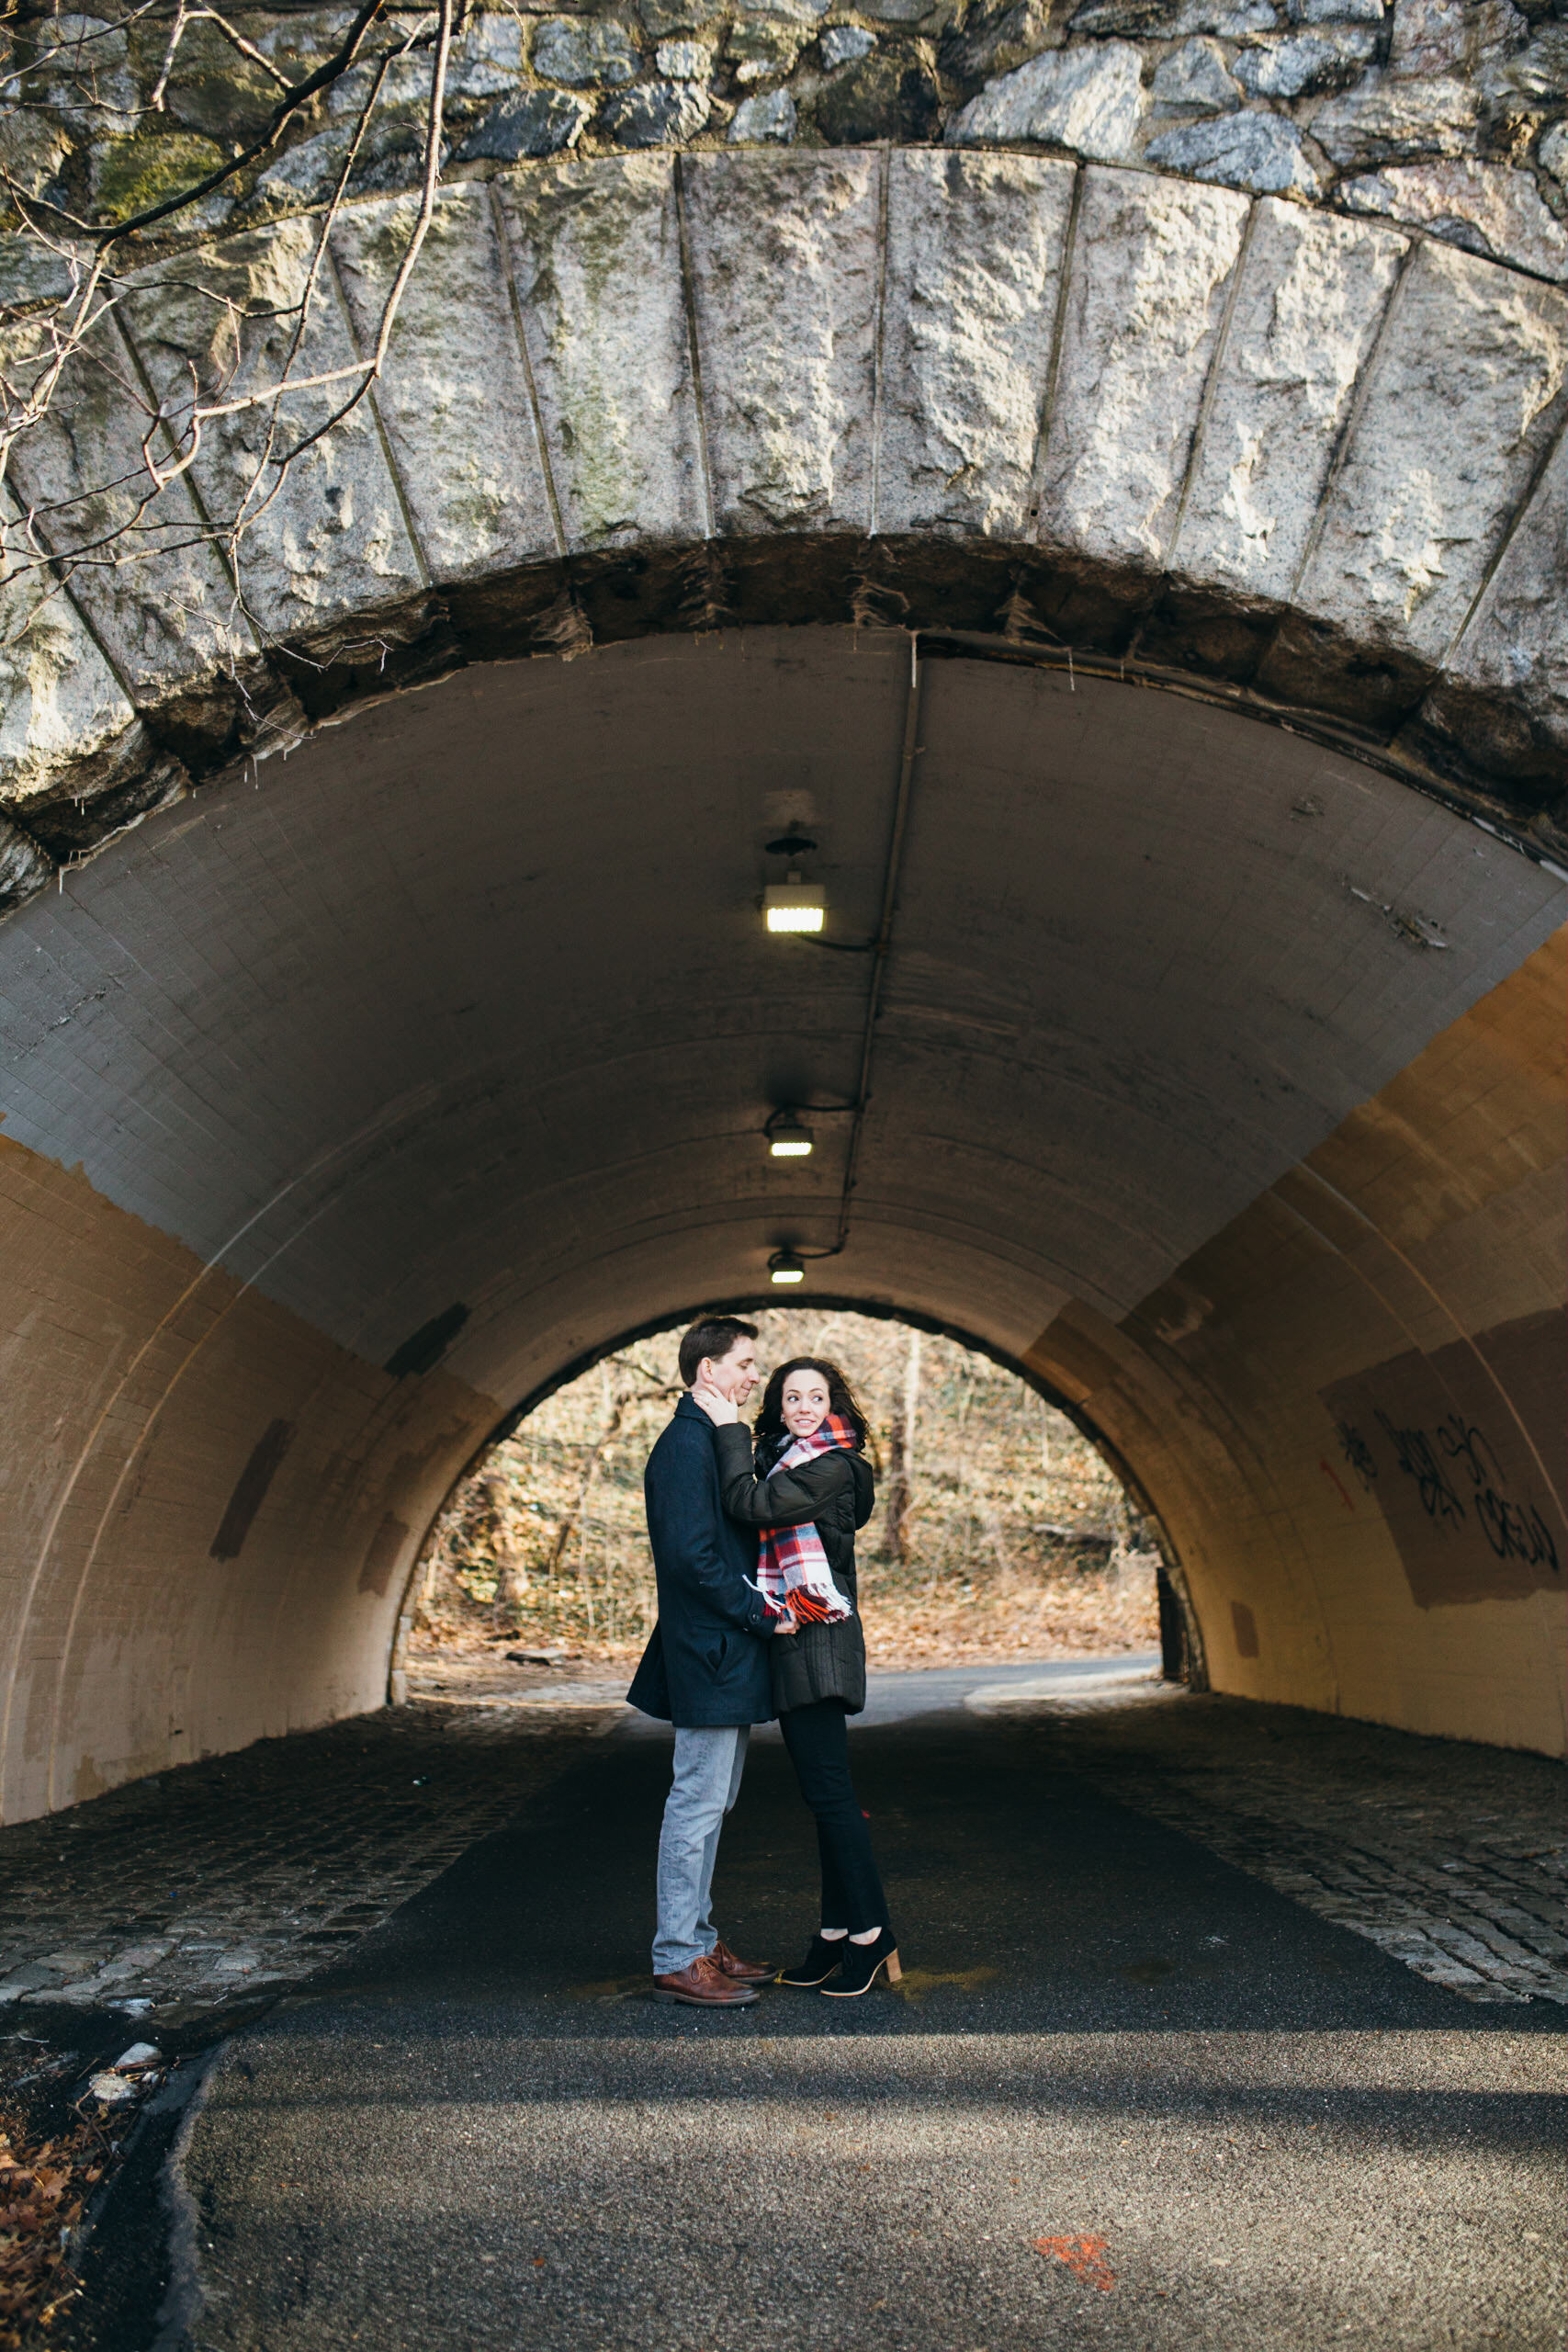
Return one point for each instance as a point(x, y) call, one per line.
point(818, 1965)
point(862, 1965)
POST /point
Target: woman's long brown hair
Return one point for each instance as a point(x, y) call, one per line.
point(769, 1432)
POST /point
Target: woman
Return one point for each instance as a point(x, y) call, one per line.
point(806, 1491)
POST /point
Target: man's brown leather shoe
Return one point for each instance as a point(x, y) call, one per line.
point(703, 1985)
point(739, 1971)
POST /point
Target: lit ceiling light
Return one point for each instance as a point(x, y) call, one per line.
point(788, 1135)
point(783, 1266)
point(794, 905)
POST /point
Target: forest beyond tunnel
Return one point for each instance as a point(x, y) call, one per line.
point(1216, 1080)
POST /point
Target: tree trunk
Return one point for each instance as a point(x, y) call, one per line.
point(901, 1458)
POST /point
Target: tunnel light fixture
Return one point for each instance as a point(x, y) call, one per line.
point(784, 1267)
point(788, 1135)
point(794, 905)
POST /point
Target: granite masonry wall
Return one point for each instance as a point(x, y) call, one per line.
point(1446, 115)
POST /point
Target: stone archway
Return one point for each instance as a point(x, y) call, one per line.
point(1310, 465)
point(1217, 1077)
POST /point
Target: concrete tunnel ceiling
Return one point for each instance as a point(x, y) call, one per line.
point(1217, 1077)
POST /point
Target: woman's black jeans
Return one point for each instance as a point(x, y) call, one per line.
point(818, 1742)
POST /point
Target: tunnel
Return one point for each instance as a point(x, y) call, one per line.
point(392, 1021)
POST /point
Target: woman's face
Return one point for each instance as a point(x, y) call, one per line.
point(804, 1405)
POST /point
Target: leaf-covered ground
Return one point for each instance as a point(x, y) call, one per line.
point(998, 1529)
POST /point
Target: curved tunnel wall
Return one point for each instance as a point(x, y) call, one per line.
point(349, 1096)
point(1216, 1080)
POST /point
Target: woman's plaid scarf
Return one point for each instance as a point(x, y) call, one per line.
point(792, 1566)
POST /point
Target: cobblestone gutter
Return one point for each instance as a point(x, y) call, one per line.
point(225, 1882)
point(1452, 1858)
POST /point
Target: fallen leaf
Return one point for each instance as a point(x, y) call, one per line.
point(1084, 2256)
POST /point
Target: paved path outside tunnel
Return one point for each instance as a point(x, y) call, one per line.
point(1244, 2125)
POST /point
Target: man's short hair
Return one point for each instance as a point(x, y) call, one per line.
point(714, 1336)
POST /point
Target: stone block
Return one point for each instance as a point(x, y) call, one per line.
point(1551, 154)
point(165, 618)
point(1489, 208)
point(325, 531)
point(845, 44)
point(1439, 37)
point(974, 253)
point(33, 272)
point(1195, 79)
point(532, 123)
point(1514, 647)
point(1261, 152)
point(886, 96)
point(85, 75)
point(663, 16)
point(1333, 12)
point(655, 114)
point(784, 285)
point(1171, 19)
point(453, 397)
point(24, 869)
point(406, 83)
point(1150, 271)
point(596, 250)
point(684, 61)
point(1302, 63)
point(1313, 292)
point(1539, 74)
point(489, 58)
point(1383, 120)
point(586, 51)
point(1467, 392)
point(1088, 101)
point(809, 14)
point(764, 48)
point(59, 702)
point(32, 151)
point(996, 40)
point(766, 120)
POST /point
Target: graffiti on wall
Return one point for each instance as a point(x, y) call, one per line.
point(1461, 1450)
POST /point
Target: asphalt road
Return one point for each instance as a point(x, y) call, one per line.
point(1127, 2097)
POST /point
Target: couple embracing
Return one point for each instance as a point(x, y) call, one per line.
point(753, 1537)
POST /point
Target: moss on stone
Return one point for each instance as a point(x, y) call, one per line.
point(137, 173)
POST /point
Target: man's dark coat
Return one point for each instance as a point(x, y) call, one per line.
point(706, 1661)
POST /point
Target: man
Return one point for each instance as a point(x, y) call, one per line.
point(705, 1667)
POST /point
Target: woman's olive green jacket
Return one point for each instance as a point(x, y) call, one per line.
point(836, 1491)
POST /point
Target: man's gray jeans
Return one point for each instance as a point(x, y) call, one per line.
point(709, 1761)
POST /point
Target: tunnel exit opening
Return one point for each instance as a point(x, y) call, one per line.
point(1007, 1528)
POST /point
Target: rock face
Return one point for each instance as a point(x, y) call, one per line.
point(1312, 298)
point(1196, 79)
point(581, 52)
point(1089, 101)
point(655, 114)
point(767, 119)
point(977, 243)
point(595, 257)
point(1490, 208)
point(1138, 337)
point(1469, 387)
point(785, 254)
point(530, 123)
point(1328, 96)
point(1251, 151)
